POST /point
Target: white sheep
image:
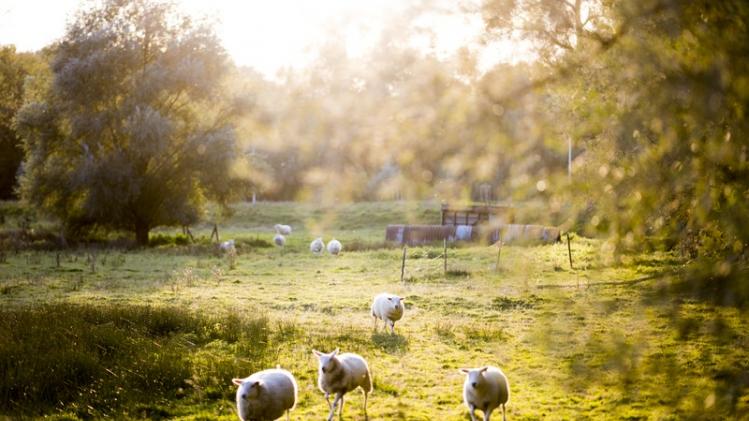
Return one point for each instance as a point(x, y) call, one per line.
point(485, 388)
point(266, 395)
point(317, 246)
point(226, 246)
point(334, 247)
point(283, 229)
point(279, 240)
point(339, 374)
point(388, 308)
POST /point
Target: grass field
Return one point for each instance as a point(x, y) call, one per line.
point(159, 333)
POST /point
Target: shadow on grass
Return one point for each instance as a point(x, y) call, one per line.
point(392, 344)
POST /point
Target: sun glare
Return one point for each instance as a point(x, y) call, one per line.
point(271, 36)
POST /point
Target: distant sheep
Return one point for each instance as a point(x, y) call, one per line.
point(266, 395)
point(334, 247)
point(279, 240)
point(283, 229)
point(485, 388)
point(317, 246)
point(388, 308)
point(340, 374)
point(226, 246)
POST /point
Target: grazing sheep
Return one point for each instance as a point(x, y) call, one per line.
point(388, 308)
point(485, 388)
point(339, 374)
point(226, 245)
point(266, 395)
point(334, 247)
point(317, 246)
point(279, 240)
point(283, 229)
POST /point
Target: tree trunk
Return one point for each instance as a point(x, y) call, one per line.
point(141, 234)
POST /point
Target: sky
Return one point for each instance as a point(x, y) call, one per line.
point(269, 35)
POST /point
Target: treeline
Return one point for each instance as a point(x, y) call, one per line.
point(651, 95)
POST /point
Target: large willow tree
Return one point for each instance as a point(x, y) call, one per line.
point(129, 134)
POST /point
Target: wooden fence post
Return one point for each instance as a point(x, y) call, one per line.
point(403, 263)
point(445, 254)
point(499, 253)
point(215, 232)
point(569, 250)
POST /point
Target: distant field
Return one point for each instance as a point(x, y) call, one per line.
point(174, 324)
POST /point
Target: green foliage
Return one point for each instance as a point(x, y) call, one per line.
point(129, 134)
point(165, 239)
point(15, 71)
point(653, 95)
point(674, 153)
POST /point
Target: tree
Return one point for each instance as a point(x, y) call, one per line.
point(131, 133)
point(659, 104)
point(15, 68)
point(553, 27)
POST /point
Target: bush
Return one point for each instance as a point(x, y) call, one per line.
point(160, 240)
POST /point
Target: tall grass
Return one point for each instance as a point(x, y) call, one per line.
point(97, 360)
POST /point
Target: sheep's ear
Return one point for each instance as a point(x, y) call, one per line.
point(258, 384)
point(483, 369)
point(237, 382)
point(464, 370)
point(334, 353)
point(316, 352)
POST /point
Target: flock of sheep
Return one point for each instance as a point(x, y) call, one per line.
point(317, 246)
point(268, 394)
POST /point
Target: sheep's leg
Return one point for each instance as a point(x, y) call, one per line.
point(487, 414)
point(340, 409)
point(504, 418)
point(375, 322)
point(392, 328)
point(288, 417)
point(327, 399)
point(365, 405)
point(472, 411)
point(335, 403)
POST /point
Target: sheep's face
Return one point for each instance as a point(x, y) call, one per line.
point(396, 303)
point(475, 378)
point(247, 391)
point(328, 362)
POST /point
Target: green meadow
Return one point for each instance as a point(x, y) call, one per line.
point(158, 333)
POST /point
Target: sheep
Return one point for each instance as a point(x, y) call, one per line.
point(317, 246)
point(388, 308)
point(266, 395)
point(226, 245)
point(283, 229)
point(340, 374)
point(485, 388)
point(334, 247)
point(279, 240)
